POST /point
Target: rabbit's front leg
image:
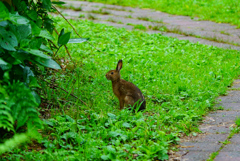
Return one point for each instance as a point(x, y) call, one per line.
point(121, 102)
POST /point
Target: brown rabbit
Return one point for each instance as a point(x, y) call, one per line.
point(126, 92)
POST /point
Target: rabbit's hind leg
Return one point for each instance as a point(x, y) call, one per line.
point(128, 100)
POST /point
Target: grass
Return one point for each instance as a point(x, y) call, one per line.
point(81, 16)
point(70, 7)
point(91, 17)
point(221, 11)
point(114, 21)
point(117, 9)
point(158, 28)
point(143, 18)
point(225, 33)
point(140, 27)
point(100, 11)
point(180, 81)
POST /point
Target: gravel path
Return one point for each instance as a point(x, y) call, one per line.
point(216, 126)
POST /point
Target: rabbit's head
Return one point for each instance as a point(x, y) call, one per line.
point(114, 75)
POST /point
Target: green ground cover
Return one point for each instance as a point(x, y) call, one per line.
point(222, 11)
point(179, 79)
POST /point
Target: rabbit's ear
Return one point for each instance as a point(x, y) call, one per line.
point(119, 65)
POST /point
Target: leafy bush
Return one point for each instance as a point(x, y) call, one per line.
point(23, 41)
point(25, 37)
point(24, 34)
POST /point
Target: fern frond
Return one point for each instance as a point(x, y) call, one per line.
point(22, 105)
point(6, 119)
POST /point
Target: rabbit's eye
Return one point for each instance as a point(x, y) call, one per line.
point(112, 73)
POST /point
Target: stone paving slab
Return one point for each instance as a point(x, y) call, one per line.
point(219, 120)
point(232, 97)
point(236, 84)
point(184, 25)
point(230, 152)
point(216, 129)
point(207, 137)
point(195, 156)
point(200, 146)
point(230, 106)
point(228, 156)
point(231, 148)
point(236, 139)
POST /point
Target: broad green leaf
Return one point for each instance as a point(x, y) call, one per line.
point(36, 53)
point(35, 1)
point(24, 31)
point(78, 40)
point(8, 40)
point(33, 83)
point(2, 62)
point(49, 122)
point(5, 67)
point(20, 31)
point(127, 125)
point(27, 74)
point(3, 23)
point(24, 43)
point(47, 4)
point(35, 29)
point(112, 156)
point(112, 116)
point(111, 149)
point(1, 51)
point(70, 119)
point(46, 34)
point(63, 39)
point(36, 96)
point(45, 48)
point(105, 157)
point(20, 55)
point(47, 63)
point(22, 6)
point(61, 33)
point(35, 43)
point(17, 19)
point(114, 134)
point(3, 11)
point(32, 14)
point(48, 24)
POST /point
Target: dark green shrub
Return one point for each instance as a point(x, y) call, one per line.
point(24, 34)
